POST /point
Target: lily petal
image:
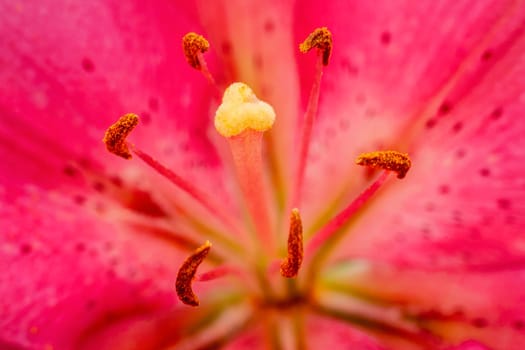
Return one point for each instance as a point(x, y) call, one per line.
point(68, 275)
point(70, 70)
point(455, 306)
point(391, 67)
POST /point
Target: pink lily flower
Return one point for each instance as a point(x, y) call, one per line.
point(99, 252)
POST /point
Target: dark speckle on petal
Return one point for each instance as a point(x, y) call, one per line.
point(269, 26)
point(460, 153)
point(153, 104)
point(519, 324)
point(26, 249)
point(444, 189)
point(88, 65)
point(80, 247)
point(486, 55)
point(503, 203)
point(385, 38)
point(496, 113)
point(430, 123)
point(457, 127)
point(445, 108)
point(479, 322)
point(485, 172)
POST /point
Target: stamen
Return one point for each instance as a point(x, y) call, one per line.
point(340, 219)
point(115, 137)
point(290, 266)
point(388, 160)
point(242, 118)
point(194, 45)
point(187, 273)
point(320, 38)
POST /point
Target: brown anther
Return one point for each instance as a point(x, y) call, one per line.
point(194, 44)
point(115, 137)
point(187, 273)
point(321, 38)
point(290, 266)
point(388, 160)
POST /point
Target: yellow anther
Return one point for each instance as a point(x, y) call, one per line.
point(320, 38)
point(187, 273)
point(115, 137)
point(388, 160)
point(290, 266)
point(242, 110)
point(193, 44)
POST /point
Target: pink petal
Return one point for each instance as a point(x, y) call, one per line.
point(390, 64)
point(326, 333)
point(67, 275)
point(469, 345)
point(483, 306)
point(460, 205)
point(71, 69)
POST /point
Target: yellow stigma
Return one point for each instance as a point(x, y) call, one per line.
point(242, 110)
point(388, 160)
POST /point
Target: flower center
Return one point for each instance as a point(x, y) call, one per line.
point(275, 278)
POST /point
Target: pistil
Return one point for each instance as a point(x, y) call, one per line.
point(242, 120)
point(321, 39)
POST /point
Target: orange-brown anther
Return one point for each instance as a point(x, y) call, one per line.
point(115, 137)
point(290, 266)
point(187, 273)
point(388, 160)
point(194, 44)
point(321, 38)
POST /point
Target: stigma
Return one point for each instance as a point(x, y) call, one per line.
point(242, 110)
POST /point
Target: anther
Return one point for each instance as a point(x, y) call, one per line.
point(241, 110)
point(187, 273)
point(388, 160)
point(193, 45)
point(290, 266)
point(320, 38)
point(115, 137)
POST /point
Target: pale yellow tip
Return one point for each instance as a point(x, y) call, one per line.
point(242, 110)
